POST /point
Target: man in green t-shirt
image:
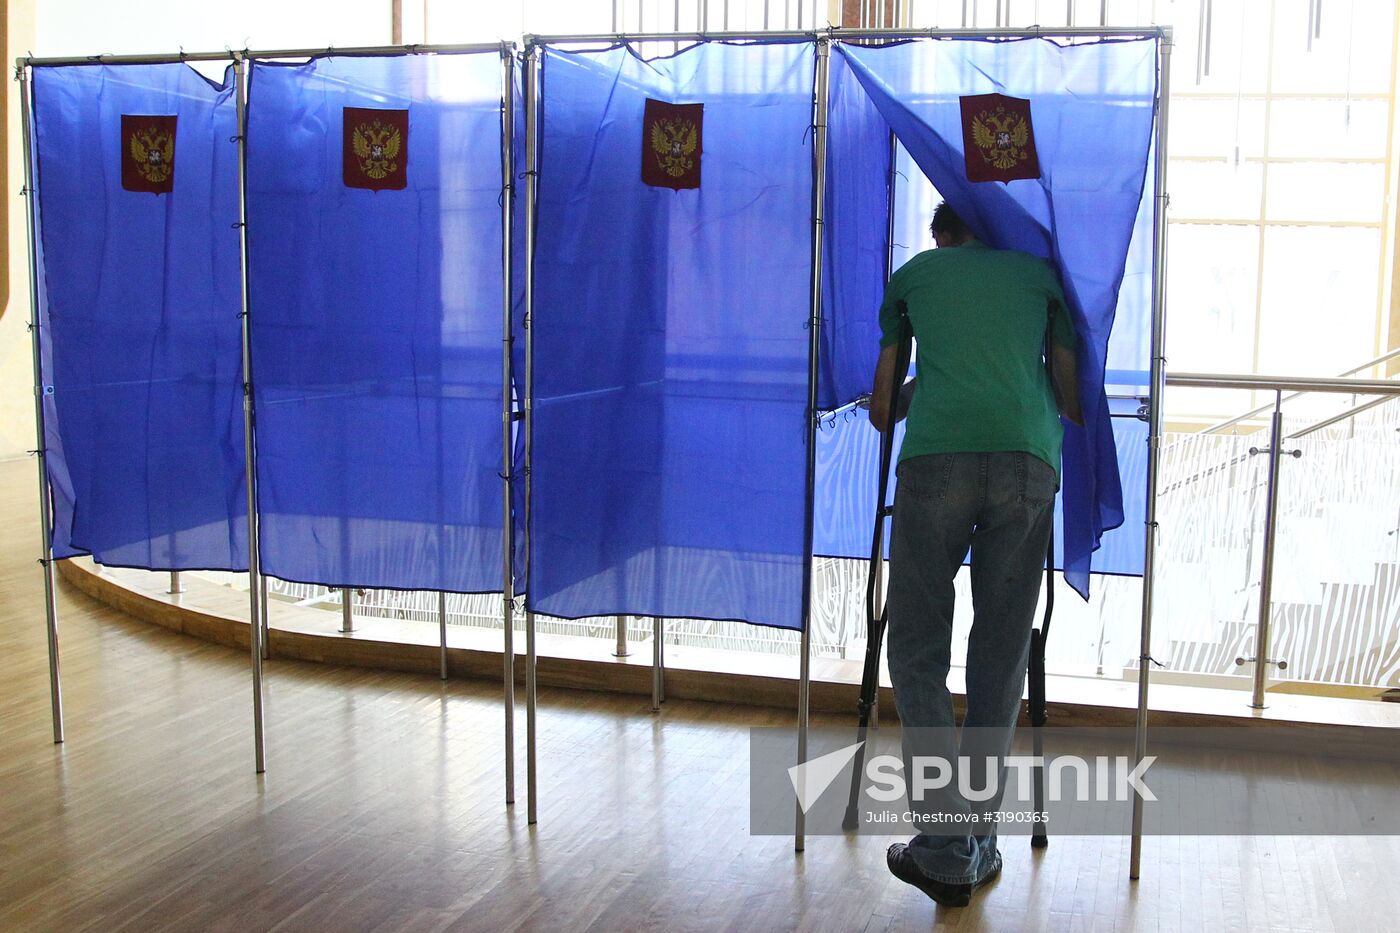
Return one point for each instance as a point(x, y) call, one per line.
point(978, 470)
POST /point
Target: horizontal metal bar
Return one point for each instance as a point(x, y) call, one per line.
point(1281, 383)
point(1110, 32)
point(1349, 413)
point(1030, 32)
point(1383, 358)
point(233, 54)
point(615, 38)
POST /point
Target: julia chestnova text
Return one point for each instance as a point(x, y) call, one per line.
point(998, 817)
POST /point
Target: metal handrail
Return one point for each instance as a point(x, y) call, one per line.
point(1385, 388)
point(1349, 413)
point(1264, 408)
point(1284, 383)
point(1278, 385)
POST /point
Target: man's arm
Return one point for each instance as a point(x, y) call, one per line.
point(1064, 381)
point(880, 414)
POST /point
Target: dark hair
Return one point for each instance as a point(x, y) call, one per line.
point(946, 220)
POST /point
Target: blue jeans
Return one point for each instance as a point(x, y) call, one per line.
point(1000, 505)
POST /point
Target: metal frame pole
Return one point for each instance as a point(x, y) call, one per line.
point(176, 585)
point(658, 663)
point(508, 416)
point(40, 429)
point(531, 182)
point(725, 34)
point(804, 681)
point(347, 611)
point(262, 617)
point(442, 634)
point(622, 650)
point(1154, 421)
point(171, 58)
point(1266, 579)
point(852, 35)
point(240, 74)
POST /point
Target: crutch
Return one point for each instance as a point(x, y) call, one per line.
point(1036, 698)
point(878, 615)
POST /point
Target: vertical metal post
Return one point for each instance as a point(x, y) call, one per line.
point(262, 617)
point(347, 610)
point(442, 634)
point(1154, 419)
point(661, 658)
point(531, 184)
point(240, 74)
point(658, 635)
point(621, 650)
point(40, 429)
point(508, 418)
point(804, 681)
point(1266, 580)
point(176, 586)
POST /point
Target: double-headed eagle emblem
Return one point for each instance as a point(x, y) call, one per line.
point(377, 147)
point(153, 152)
point(998, 138)
point(1002, 136)
point(674, 143)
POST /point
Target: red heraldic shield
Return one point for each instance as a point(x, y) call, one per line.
point(376, 148)
point(148, 153)
point(998, 140)
point(672, 138)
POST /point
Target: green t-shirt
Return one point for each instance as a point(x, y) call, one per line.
point(979, 317)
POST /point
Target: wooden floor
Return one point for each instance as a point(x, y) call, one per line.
point(382, 809)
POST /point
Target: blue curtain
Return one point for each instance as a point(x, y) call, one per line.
point(671, 340)
point(139, 319)
point(376, 318)
point(1092, 106)
point(855, 252)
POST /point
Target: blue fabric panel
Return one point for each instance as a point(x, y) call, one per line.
point(376, 320)
point(140, 303)
point(671, 340)
point(1093, 111)
point(855, 255)
point(1130, 344)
